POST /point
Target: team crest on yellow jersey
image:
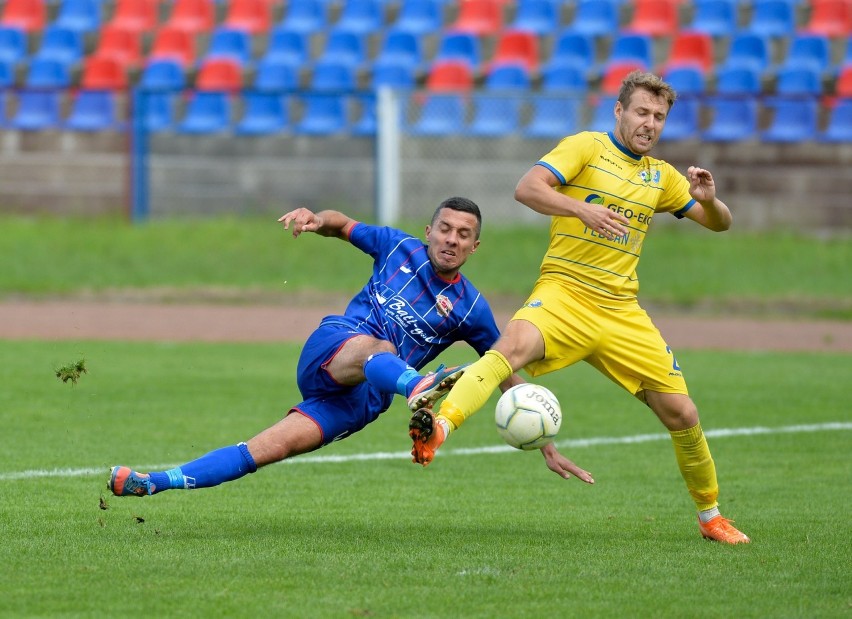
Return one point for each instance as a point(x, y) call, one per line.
point(650, 177)
point(444, 305)
point(534, 303)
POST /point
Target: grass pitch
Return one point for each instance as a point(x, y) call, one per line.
point(356, 530)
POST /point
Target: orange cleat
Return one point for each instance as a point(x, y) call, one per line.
point(426, 434)
point(434, 386)
point(720, 529)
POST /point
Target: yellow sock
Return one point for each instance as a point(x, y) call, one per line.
point(696, 466)
point(474, 388)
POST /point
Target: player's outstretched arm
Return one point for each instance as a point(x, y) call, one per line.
point(562, 466)
point(324, 223)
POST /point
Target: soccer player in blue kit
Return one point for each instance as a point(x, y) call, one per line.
point(415, 305)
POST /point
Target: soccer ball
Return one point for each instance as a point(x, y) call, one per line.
point(528, 416)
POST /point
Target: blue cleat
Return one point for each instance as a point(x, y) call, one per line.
point(434, 386)
point(125, 482)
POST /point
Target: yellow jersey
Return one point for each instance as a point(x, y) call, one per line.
point(595, 168)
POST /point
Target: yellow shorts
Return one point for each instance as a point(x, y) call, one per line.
point(618, 338)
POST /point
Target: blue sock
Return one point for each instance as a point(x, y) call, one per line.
point(225, 464)
point(389, 374)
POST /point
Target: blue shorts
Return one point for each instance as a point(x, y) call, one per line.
point(338, 410)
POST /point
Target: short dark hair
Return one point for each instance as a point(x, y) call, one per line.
point(650, 82)
point(463, 205)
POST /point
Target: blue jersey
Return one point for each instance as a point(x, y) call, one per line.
point(408, 304)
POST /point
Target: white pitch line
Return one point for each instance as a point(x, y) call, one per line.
point(472, 451)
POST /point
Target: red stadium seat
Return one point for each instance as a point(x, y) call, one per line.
point(479, 17)
point(693, 49)
point(174, 44)
point(843, 85)
point(221, 74)
point(136, 15)
point(123, 45)
point(28, 15)
point(517, 47)
point(193, 16)
point(252, 16)
point(832, 18)
point(103, 73)
point(654, 17)
point(450, 76)
point(615, 74)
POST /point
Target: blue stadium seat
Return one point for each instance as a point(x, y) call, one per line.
point(733, 119)
point(596, 18)
point(717, 18)
point(207, 112)
point(508, 76)
point(839, 126)
point(158, 113)
point(553, 116)
point(559, 77)
point(459, 46)
point(264, 113)
point(94, 110)
point(287, 47)
point(682, 122)
point(686, 80)
point(392, 75)
point(83, 16)
point(631, 47)
point(540, 17)
point(496, 115)
point(419, 17)
point(400, 47)
point(230, 43)
point(47, 73)
point(60, 43)
point(344, 47)
point(772, 18)
point(573, 48)
point(811, 51)
point(361, 16)
point(163, 74)
point(37, 110)
point(603, 115)
point(333, 76)
point(793, 119)
point(323, 114)
point(272, 75)
point(7, 76)
point(366, 123)
point(738, 80)
point(799, 81)
point(750, 50)
point(305, 16)
point(13, 45)
point(440, 115)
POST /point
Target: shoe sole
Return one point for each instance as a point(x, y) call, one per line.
point(421, 425)
point(429, 397)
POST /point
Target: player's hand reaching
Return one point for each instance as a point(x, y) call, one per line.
point(603, 221)
point(562, 466)
point(701, 185)
point(303, 220)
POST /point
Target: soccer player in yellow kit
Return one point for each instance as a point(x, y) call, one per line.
point(601, 191)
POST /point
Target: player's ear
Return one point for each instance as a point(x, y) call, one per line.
point(475, 245)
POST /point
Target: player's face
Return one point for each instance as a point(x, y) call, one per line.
point(451, 239)
point(638, 126)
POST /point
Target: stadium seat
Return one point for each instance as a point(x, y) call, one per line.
point(732, 119)
point(219, 74)
point(450, 75)
point(741, 80)
point(567, 77)
point(366, 123)
point(250, 16)
point(229, 43)
point(287, 47)
point(615, 73)
point(515, 46)
point(13, 45)
point(103, 73)
point(654, 17)
point(839, 125)
point(344, 47)
point(682, 123)
point(264, 113)
point(717, 18)
point(81, 16)
point(772, 18)
point(158, 112)
point(62, 44)
point(305, 16)
point(419, 17)
point(125, 46)
point(7, 80)
point(686, 80)
point(843, 84)
point(48, 73)
point(596, 18)
point(630, 47)
point(831, 18)
point(808, 50)
point(553, 116)
point(748, 49)
point(323, 114)
point(37, 110)
point(575, 49)
point(192, 16)
point(540, 17)
point(509, 76)
point(93, 110)
point(392, 75)
point(479, 17)
point(400, 47)
point(137, 16)
point(163, 74)
point(798, 81)
point(207, 112)
point(333, 76)
point(174, 43)
point(361, 16)
point(272, 75)
point(28, 15)
point(459, 47)
point(440, 115)
point(495, 116)
point(793, 120)
point(693, 49)
point(603, 113)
